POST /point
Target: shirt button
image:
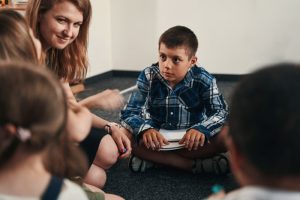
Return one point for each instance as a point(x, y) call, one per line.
point(171, 113)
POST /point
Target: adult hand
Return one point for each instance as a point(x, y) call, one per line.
point(107, 100)
point(193, 139)
point(119, 134)
point(153, 139)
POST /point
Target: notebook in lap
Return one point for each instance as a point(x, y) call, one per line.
point(173, 136)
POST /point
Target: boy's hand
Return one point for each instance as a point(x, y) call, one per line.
point(192, 139)
point(153, 139)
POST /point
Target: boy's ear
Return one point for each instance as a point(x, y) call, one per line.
point(194, 60)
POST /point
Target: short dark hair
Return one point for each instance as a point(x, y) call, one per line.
point(264, 120)
point(180, 36)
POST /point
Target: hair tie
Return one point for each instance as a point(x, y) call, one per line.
point(23, 134)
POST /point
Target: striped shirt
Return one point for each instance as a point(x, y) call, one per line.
point(195, 102)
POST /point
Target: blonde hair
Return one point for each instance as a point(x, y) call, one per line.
point(71, 63)
point(15, 40)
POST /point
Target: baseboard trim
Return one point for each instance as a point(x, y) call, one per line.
point(125, 73)
point(135, 74)
point(98, 77)
point(228, 77)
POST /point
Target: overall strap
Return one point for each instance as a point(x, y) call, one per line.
point(53, 190)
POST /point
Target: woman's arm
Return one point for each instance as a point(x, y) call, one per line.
point(79, 121)
point(106, 100)
point(80, 118)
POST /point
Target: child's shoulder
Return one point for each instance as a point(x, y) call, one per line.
point(150, 71)
point(152, 68)
point(200, 73)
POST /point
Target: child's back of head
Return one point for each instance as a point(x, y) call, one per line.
point(32, 101)
point(265, 120)
point(16, 42)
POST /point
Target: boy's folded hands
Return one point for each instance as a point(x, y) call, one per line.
point(152, 139)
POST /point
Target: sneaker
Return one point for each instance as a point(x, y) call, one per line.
point(136, 164)
point(218, 164)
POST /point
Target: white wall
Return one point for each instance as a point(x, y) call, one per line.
point(235, 36)
point(133, 33)
point(99, 50)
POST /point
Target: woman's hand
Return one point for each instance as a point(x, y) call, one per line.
point(119, 134)
point(106, 100)
point(193, 139)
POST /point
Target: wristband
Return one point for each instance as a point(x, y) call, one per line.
point(108, 126)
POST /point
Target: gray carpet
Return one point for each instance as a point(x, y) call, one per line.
point(161, 182)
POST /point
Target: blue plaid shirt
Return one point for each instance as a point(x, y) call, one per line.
point(195, 102)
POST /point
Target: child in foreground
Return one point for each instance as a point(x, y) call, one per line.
point(174, 94)
point(33, 116)
point(263, 135)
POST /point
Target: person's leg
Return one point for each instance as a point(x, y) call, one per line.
point(96, 176)
point(169, 158)
point(182, 159)
point(102, 153)
point(216, 145)
point(106, 156)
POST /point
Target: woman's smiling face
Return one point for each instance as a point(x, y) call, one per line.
point(60, 25)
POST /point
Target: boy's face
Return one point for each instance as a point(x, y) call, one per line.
point(174, 63)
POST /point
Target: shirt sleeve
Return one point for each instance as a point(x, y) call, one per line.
point(216, 111)
point(134, 116)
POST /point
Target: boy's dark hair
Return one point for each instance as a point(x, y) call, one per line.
point(265, 119)
point(180, 36)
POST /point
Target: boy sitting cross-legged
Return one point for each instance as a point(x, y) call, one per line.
point(175, 94)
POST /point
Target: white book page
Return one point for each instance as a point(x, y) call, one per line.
point(172, 135)
point(172, 146)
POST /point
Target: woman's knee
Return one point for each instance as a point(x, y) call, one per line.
point(107, 154)
point(96, 176)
